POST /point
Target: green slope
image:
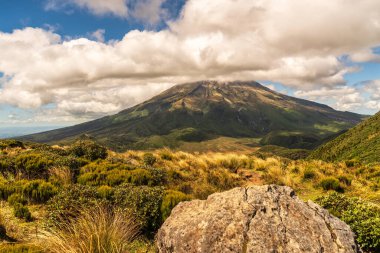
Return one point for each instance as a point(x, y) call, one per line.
point(361, 143)
point(207, 110)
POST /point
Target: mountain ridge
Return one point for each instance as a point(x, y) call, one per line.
point(361, 143)
point(205, 110)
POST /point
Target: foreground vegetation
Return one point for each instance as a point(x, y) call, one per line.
point(53, 196)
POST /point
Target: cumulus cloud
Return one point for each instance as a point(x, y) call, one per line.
point(366, 55)
point(298, 43)
point(362, 96)
point(98, 7)
point(147, 11)
point(98, 35)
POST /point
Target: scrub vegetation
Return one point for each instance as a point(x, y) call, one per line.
point(80, 197)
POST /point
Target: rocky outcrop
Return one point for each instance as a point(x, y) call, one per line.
point(255, 219)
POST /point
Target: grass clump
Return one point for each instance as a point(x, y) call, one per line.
point(331, 183)
point(22, 212)
point(17, 198)
point(309, 174)
point(100, 229)
point(149, 159)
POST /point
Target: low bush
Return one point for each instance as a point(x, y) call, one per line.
point(19, 248)
point(89, 150)
point(69, 201)
point(166, 155)
point(309, 174)
point(361, 216)
point(3, 230)
point(22, 212)
point(105, 192)
point(32, 165)
point(11, 144)
point(331, 183)
point(144, 202)
point(38, 191)
point(16, 198)
point(170, 200)
point(345, 180)
point(149, 159)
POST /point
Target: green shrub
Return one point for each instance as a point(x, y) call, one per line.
point(331, 183)
point(166, 155)
point(18, 248)
point(140, 177)
point(6, 165)
point(351, 163)
point(309, 174)
point(89, 150)
point(69, 201)
point(170, 200)
point(6, 190)
point(22, 212)
point(16, 198)
point(345, 180)
point(38, 191)
point(149, 159)
point(11, 144)
point(144, 202)
point(34, 166)
point(105, 192)
point(3, 230)
point(361, 216)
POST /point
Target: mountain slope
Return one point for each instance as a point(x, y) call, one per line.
point(207, 110)
point(360, 143)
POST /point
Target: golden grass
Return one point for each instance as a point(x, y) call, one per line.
point(96, 230)
point(61, 175)
point(244, 169)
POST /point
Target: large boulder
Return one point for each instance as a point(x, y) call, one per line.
point(255, 219)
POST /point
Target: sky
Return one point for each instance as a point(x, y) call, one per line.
point(63, 62)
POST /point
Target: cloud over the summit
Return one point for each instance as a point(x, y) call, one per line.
point(299, 43)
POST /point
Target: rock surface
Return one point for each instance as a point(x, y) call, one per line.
point(255, 219)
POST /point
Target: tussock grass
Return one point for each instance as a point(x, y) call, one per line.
point(96, 230)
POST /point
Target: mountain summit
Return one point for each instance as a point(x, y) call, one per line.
point(205, 110)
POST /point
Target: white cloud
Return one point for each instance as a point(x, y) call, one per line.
point(149, 11)
point(98, 35)
point(295, 42)
point(98, 7)
point(366, 55)
point(342, 98)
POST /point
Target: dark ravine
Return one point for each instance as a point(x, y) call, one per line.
point(254, 219)
point(206, 110)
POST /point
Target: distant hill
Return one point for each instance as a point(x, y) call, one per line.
point(361, 143)
point(207, 110)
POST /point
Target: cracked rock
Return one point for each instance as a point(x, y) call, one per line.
point(255, 219)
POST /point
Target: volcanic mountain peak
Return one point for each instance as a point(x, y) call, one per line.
point(207, 110)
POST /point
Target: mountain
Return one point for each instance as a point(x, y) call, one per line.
point(208, 110)
point(360, 143)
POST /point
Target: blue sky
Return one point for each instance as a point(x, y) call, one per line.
point(65, 62)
